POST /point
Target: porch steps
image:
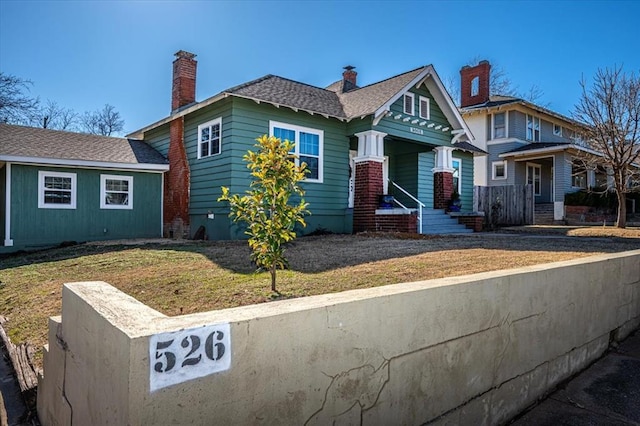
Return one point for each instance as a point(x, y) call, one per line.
point(543, 214)
point(437, 222)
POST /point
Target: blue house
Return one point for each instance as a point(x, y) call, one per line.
point(60, 186)
point(400, 137)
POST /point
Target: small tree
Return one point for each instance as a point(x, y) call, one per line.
point(265, 207)
point(611, 109)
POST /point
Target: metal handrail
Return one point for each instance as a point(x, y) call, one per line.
point(418, 202)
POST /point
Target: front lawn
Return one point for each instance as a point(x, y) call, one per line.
point(182, 277)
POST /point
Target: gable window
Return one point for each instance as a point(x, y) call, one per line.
point(210, 138)
point(308, 146)
point(533, 177)
point(456, 164)
point(56, 190)
point(425, 108)
point(533, 128)
point(499, 170)
point(116, 192)
point(557, 130)
point(408, 103)
point(499, 125)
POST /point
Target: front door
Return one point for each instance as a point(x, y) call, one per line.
point(533, 177)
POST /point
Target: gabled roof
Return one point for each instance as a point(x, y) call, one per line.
point(44, 146)
point(498, 101)
point(331, 102)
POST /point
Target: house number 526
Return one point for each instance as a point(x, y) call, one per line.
point(183, 355)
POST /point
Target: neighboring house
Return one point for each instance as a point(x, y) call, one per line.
point(352, 138)
point(59, 186)
point(527, 144)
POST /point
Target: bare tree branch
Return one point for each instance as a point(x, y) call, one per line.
point(16, 106)
point(611, 109)
point(105, 121)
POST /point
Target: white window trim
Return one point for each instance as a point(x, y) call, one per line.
point(404, 103)
point(41, 189)
point(554, 130)
point(506, 125)
point(426, 116)
point(534, 118)
point(297, 130)
point(213, 122)
point(459, 160)
point(539, 168)
point(103, 192)
point(494, 176)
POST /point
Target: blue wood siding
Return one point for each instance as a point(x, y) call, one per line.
point(33, 227)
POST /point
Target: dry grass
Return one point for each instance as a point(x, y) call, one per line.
point(186, 277)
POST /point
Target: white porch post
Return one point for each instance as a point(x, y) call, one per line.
point(444, 159)
point(370, 146)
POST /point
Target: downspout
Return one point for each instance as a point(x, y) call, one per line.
point(8, 242)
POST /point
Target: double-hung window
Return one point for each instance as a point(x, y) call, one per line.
point(56, 190)
point(408, 103)
point(308, 146)
point(210, 138)
point(533, 128)
point(499, 125)
point(425, 108)
point(499, 170)
point(557, 130)
point(116, 192)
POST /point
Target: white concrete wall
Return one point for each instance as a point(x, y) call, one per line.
point(466, 350)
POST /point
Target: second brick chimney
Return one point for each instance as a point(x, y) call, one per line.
point(474, 84)
point(183, 91)
point(349, 78)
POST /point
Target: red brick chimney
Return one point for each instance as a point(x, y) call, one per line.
point(183, 91)
point(349, 78)
point(474, 84)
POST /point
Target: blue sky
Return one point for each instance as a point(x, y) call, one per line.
point(83, 54)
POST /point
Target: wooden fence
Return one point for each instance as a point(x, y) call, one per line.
point(505, 205)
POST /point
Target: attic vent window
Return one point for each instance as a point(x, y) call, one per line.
point(475, 86)
point(425, 108)
point(408, 103)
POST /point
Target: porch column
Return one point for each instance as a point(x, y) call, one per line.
point(368, 179)
point(443, 177)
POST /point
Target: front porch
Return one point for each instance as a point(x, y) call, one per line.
point(419, 180)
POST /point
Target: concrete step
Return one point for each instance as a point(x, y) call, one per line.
point(461, 229)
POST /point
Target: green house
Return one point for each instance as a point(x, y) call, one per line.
point(60, 187)
point(386, 156)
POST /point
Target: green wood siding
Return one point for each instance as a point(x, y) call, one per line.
point(466, 196)
point(32, 226)
point(426, 162)
point(400, 128)
point(159, 139)
point(242, 122)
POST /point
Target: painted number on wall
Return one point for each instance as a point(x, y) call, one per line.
point(178, 356)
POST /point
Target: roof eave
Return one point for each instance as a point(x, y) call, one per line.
point(557, 148)
point(155, 167)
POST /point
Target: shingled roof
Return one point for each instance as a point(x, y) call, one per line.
point(329, 102)
point(31, 144)
point(293, 94)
